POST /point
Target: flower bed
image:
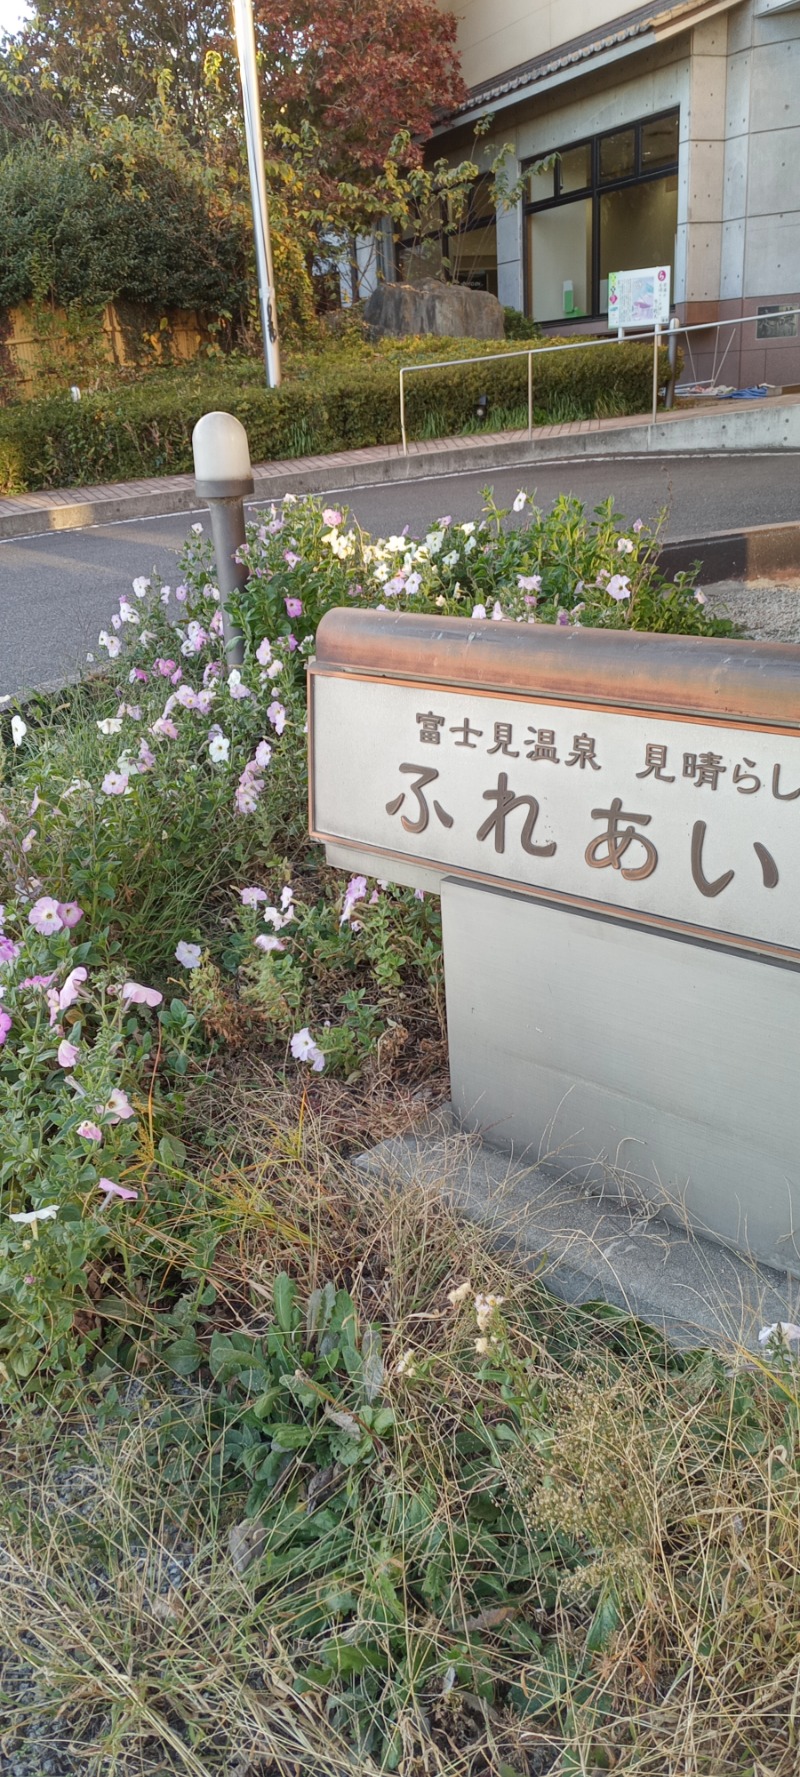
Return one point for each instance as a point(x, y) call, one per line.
point(160, 900)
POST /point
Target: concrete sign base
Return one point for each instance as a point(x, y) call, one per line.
point(648, 1071)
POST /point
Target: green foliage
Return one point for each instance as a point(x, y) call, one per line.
point(130, 212)
point(519, 326)
point(565, 565)
point(147, 429)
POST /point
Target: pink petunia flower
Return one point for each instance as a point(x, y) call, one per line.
point(5, 1026)
point(115, 783)
point(294, 607)
point(133, 994)
point(266, 941)
point(290, 558)
point(276, 714)
point(118, 1108)
point(264, 653)
point(619, 587)
point(67, 1054)
point(164, 725)
point(246, 796)
point(356, 891)
point(111, 1190)
point(237, 690)
point(71, 989)
point(331, 516)
point(250, 897)
point(69, 913)
point(44, 916)
point(90, 1131)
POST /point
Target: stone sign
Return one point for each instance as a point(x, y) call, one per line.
point(674, 823)
point(608, 783)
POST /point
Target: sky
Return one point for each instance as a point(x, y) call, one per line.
point(12, 13)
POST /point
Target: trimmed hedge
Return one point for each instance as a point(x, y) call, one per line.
point(146, 428)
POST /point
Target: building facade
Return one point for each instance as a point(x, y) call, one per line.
point(668, 135)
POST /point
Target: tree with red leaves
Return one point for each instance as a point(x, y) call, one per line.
point(358, 72)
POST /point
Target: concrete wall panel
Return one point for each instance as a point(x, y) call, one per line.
point(772, 254)
point(732, 260)
point(775, 84)
point(734, 192)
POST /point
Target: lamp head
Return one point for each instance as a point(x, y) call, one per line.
point(221, 458)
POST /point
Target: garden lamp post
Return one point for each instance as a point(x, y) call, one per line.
point(251, 104)
point(224, 478)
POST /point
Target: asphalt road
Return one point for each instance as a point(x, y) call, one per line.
point(57, 591)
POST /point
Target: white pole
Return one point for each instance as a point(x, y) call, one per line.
point(656, 344)
point(248, 70)
point(403, 414)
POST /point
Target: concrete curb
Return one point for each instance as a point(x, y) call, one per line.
point(741, 428)
point(764, 552)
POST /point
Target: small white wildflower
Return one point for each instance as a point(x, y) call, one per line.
point(485, 1307)
point(456, 1296)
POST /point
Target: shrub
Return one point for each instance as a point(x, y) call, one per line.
point(146, 429)
point(129, 212)
point(519, 326)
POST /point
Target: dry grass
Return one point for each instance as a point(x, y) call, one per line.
point(656, 1496)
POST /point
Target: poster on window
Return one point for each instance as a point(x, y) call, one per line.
point(639, 298)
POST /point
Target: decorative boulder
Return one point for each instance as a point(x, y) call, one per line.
point(450, 310)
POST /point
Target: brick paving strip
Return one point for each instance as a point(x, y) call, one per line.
point(734, 425)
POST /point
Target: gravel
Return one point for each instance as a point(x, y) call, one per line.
point(766, 612)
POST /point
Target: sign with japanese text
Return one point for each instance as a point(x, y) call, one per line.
point(682, 823)
point(639, 298)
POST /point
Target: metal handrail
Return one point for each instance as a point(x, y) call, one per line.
point(657, 335)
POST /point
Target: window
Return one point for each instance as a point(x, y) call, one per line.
point(608, 204)
point(617, 156)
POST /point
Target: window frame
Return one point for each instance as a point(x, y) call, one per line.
point(594, 190)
